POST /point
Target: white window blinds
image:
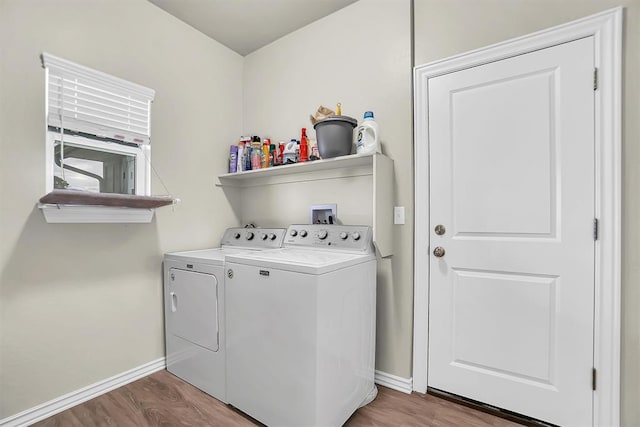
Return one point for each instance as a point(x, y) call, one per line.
point(85, 100)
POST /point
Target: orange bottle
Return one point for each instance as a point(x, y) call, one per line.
point(265, 153)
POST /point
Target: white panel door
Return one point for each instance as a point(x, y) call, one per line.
point(512, 182)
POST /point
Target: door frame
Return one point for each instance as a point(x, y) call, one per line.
point(606, 28)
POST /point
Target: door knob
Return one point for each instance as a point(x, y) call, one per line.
point(438, 251)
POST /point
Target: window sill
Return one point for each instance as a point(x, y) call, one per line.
point(64, 206)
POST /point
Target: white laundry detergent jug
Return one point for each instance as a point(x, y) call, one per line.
point(368, 141)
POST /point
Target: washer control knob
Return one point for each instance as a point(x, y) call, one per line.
point(303, 233)
point(293, 232)
point(237, 235)
point(344, 235)
point(263, 236)
point(249, 235)
point(355, 235)
point(272, 236)
point(322, 234)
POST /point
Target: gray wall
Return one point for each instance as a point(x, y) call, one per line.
point(445, 28)
point(359, 56)
point(83, 302)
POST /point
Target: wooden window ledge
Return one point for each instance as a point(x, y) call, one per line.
point(68, 206)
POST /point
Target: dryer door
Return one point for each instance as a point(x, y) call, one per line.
point(193, 307)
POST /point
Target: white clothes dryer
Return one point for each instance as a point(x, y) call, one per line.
point(194, 310)
point(301, 327)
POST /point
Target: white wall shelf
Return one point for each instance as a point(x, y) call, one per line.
point(339, 167)
point(378, 166)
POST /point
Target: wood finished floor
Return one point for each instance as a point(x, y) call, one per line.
point(162, 399)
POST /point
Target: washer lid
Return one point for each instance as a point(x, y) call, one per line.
point(309, 261)
point(215, 256)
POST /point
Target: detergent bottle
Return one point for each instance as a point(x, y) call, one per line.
point(290, 152)
point(368, 141)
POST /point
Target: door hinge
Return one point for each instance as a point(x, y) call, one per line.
point(595, 229)
point(595, 79)
point(593, 378)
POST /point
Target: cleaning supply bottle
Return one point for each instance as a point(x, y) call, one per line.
point(281, 153)
point(247, 157)
point(256, 153)
point(240, 159)
point(314, 155)
point(233, 159)
point(265, 154)
point(246, 153)
point(368, 141)
point(273, 155)
point(304, 146)
point(289, 154)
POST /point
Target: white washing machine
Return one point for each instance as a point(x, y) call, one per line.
point(301, 327)
point(194, 310)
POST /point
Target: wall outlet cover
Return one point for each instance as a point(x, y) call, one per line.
point(323, 214)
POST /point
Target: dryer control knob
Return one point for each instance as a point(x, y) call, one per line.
point(249, 235)
point(303, 233)
point(237, 235)
point(263, 236)
point(355, 235)
point(344, 235)
point(272, 236)
point(322, 234)
point(293, 232)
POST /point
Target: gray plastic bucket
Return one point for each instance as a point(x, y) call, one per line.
point(335, 136)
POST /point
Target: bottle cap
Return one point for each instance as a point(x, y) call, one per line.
point(368, 114)
point(272, 146)
point(255, 139)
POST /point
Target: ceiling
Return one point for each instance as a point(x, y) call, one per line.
point(247, 25)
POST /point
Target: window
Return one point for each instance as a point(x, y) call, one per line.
point(98, 130)
point(98, 134)
point(86, 163)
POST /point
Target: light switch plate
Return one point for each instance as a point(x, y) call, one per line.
point(398, 215)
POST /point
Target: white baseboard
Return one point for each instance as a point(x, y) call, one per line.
point(59, 404)
point(404, 385)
